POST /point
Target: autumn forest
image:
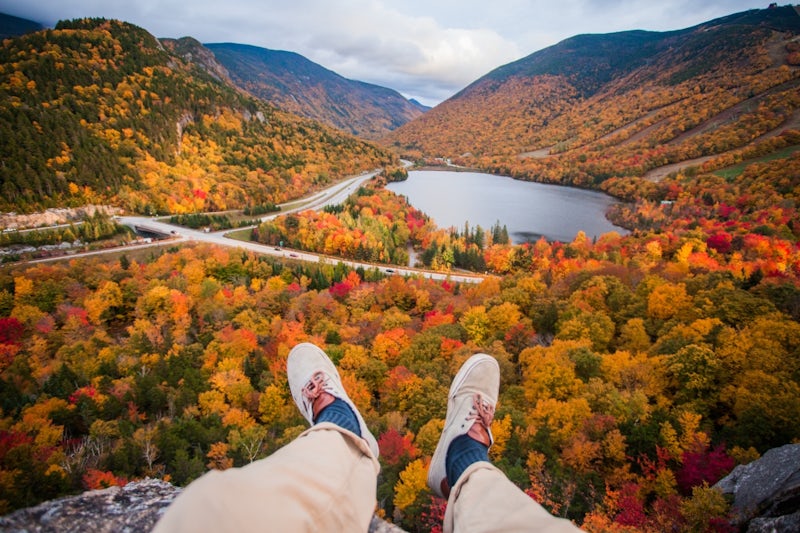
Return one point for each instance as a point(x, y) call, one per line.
point(636, 370)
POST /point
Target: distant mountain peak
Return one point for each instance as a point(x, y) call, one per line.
point(143, 141)
point(419, 105)
point(192, 51)
point(296, 84)
point(11, 26)
point(595, 103)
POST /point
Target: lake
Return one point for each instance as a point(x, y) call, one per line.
point(528, 210)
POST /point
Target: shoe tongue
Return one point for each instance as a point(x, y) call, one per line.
point(321, 402)
point(480, 433)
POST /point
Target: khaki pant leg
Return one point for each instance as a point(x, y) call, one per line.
point(485, 500)
point(325, 480)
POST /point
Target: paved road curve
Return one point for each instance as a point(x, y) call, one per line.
point(335, 194)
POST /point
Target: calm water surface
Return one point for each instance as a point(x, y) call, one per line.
point(528, 210)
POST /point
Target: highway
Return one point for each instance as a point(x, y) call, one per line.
point(335, 194)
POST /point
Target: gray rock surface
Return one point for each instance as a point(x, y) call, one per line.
point(381, 526)
point(136, 507)
point(781, 524)
point(766, 492)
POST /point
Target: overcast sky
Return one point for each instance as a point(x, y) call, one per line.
point(425, 49)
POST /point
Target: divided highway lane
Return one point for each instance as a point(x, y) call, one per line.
point(335, 194)
point(183, 234)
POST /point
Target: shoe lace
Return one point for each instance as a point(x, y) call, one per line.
point(320, 382)
point(482, 411)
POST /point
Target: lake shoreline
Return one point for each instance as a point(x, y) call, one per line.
point(441, 168)
point(455, 197)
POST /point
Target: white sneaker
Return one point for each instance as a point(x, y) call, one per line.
point(472, 398)
point(310, 374)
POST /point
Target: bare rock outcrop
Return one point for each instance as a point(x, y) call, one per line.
point(134, 508)
point(766, 492)
point(51, 217)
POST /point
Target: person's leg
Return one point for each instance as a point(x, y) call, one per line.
point(482, 497)
point(325, 480)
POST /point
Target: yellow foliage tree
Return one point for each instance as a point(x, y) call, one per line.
point(548, 372)
point(581, 453)
point(218, 456)
point(413, 480)
point(501, 432)
point(668, 300)
point(477, 324)
point(563, 419)
point(271, 404)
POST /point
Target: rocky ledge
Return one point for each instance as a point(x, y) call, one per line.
point(766, 493)
point(134, 508)
point(765, 497)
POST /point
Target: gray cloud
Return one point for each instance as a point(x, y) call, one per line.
point(426, 49)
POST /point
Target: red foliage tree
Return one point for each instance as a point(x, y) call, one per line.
point(97, 479)
point(396, 448)
point(519, 337)
point(10, 440)
point(84, 392)
point(721, 242)
point(341, 289)
point(11, 330)
point(631, 507)
point(706, 465)
point(433, 516)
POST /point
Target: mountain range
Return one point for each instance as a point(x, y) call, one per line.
point(287, 80)
point(295, 84)
point(292, 82)
point(100, 111)
point(589, 111)
point(625, 104)
point(11, 26)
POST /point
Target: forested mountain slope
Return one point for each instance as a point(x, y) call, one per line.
point(293, 83)
point(595, 107)
point(11, 26)
point(99, 111)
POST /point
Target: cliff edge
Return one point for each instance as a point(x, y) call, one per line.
point(134, 508)
point(766, 492)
